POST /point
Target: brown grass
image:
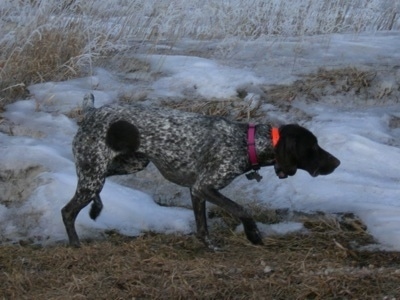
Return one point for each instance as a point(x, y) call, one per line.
point(318, 265)
point(324, 82)
point(17, 185)
point(42, 54)
point(236, 109)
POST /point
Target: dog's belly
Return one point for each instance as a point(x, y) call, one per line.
point(178, 173)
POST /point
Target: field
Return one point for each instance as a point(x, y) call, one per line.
point(320, 264)
point(335, 256)
point(46, 40)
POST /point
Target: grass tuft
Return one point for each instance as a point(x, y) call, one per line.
point(42, 53)
point(361, 84)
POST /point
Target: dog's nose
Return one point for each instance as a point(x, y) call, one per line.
point(335, 162)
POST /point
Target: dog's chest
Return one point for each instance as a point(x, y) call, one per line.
point(176, 154)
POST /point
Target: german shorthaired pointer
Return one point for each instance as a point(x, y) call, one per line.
point(202, 153)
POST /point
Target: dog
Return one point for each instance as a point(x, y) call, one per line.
point(203, 153)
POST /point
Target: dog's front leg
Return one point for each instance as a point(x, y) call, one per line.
point(199, 209)
point(249, 225)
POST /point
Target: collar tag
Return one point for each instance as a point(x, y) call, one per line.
point(254, 175)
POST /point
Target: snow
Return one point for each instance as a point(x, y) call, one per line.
point(367, 182)
point(208, 78)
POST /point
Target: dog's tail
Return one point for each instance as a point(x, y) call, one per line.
point(123, 136)
point(96, 208)
point(88, 103)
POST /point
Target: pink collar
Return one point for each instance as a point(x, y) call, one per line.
point(251, 146)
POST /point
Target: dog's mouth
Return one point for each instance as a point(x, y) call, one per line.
point(326, 169)
point(320, 171)
point(281, 173)
point(315, 173)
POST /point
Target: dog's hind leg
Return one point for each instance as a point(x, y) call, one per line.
point(86, 192)
point(91, 177)
point(122, 164)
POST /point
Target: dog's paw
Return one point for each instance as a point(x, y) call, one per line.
point(74, 244)
point(210, 244)
point(254, 237)
point(252, 232)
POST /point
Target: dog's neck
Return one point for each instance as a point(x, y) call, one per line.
point(265, 139)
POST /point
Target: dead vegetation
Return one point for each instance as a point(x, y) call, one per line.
point(44, 54)
point(17, 185)
point(322, 264)
point(334, 83)
point(326, 85)
point(236, 109)
point(47, 44)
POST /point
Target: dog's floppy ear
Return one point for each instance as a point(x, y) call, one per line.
point(290, 147)
point(286, 153)
point(285, 150)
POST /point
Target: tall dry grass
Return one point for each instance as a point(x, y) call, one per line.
point(43, 40)
point(48, 40)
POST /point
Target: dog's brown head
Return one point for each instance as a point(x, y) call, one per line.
point(298, 148)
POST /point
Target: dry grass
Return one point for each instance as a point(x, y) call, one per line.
point(361, 84)
point(17, 185)
point(324, 82)
point(47, 53)
point(48, 41)
point(318, 265)
point(45, 40)
point(345, 79)
point(76, 113)
point(235, 109)
point(260, 211)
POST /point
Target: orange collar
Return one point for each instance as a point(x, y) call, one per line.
point(275, 136)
